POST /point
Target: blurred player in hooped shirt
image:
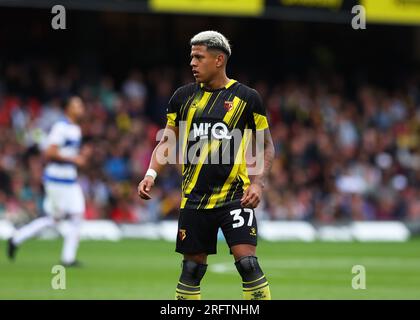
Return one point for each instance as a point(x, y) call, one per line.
point(64, 199)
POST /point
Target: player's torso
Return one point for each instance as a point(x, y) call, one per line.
point(211, 126)
point(69, 147)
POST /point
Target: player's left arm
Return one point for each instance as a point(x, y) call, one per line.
point(253, 194)
point(259, 124)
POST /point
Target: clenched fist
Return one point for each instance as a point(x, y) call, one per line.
point(252, 196)
point(145, 186)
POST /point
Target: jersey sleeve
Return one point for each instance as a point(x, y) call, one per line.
point(56, 135)
point(172, 111)
point(258, 116)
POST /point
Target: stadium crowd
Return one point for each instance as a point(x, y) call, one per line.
point(342, 153)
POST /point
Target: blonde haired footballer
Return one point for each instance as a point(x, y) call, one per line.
point(215, 195)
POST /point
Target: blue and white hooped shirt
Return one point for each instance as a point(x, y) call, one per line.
point(67, 136)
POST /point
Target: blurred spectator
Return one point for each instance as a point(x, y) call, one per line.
point(339, 156)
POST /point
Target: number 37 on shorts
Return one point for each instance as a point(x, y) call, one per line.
point(243, 224)
point(239, 220)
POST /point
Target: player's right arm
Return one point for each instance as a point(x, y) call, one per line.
point(56, 139)
point(165, 149)
point(52, 154)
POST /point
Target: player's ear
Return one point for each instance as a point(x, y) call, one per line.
point(220, 60)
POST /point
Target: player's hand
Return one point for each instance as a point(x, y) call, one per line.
point(252, 196)
point(145, 186)
point(86, 151)
point(79, 161)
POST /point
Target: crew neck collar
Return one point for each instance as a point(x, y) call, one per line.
point(229, 84)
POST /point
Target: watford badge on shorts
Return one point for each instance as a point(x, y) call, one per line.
point(228, 105)
point(182, 234)
point(253, 232)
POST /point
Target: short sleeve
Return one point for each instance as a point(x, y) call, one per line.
point(258, 118)
point(172, 112)
point(56, 135)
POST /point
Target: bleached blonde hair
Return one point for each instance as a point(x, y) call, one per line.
point(212, 40)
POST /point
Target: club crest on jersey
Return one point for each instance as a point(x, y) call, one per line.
point(228, 105)
point(182, 234)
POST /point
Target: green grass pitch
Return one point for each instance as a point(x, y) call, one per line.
point(143, 269)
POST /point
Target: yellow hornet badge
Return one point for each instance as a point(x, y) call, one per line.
point(182, 234)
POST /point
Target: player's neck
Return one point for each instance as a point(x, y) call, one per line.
point(217, 83)
point(71, 119)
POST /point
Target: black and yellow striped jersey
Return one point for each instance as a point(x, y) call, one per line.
point(214, 172)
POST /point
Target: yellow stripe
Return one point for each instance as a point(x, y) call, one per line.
point(188, 285)
point(202, 198)
point(233, 193)
point(214, 102)
point(171, 119)
point(188, 175)
point(260, 121)
point(253, 280)
point(239, 116)
point(230, 83)
point(265, 284)
point(184, 200)
point(243, 173)
point(182, 109)
point(203, 102)
point(188, 294)
point(255, 287)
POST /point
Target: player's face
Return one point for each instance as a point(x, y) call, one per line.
point(77, 108)
point(203, 64)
